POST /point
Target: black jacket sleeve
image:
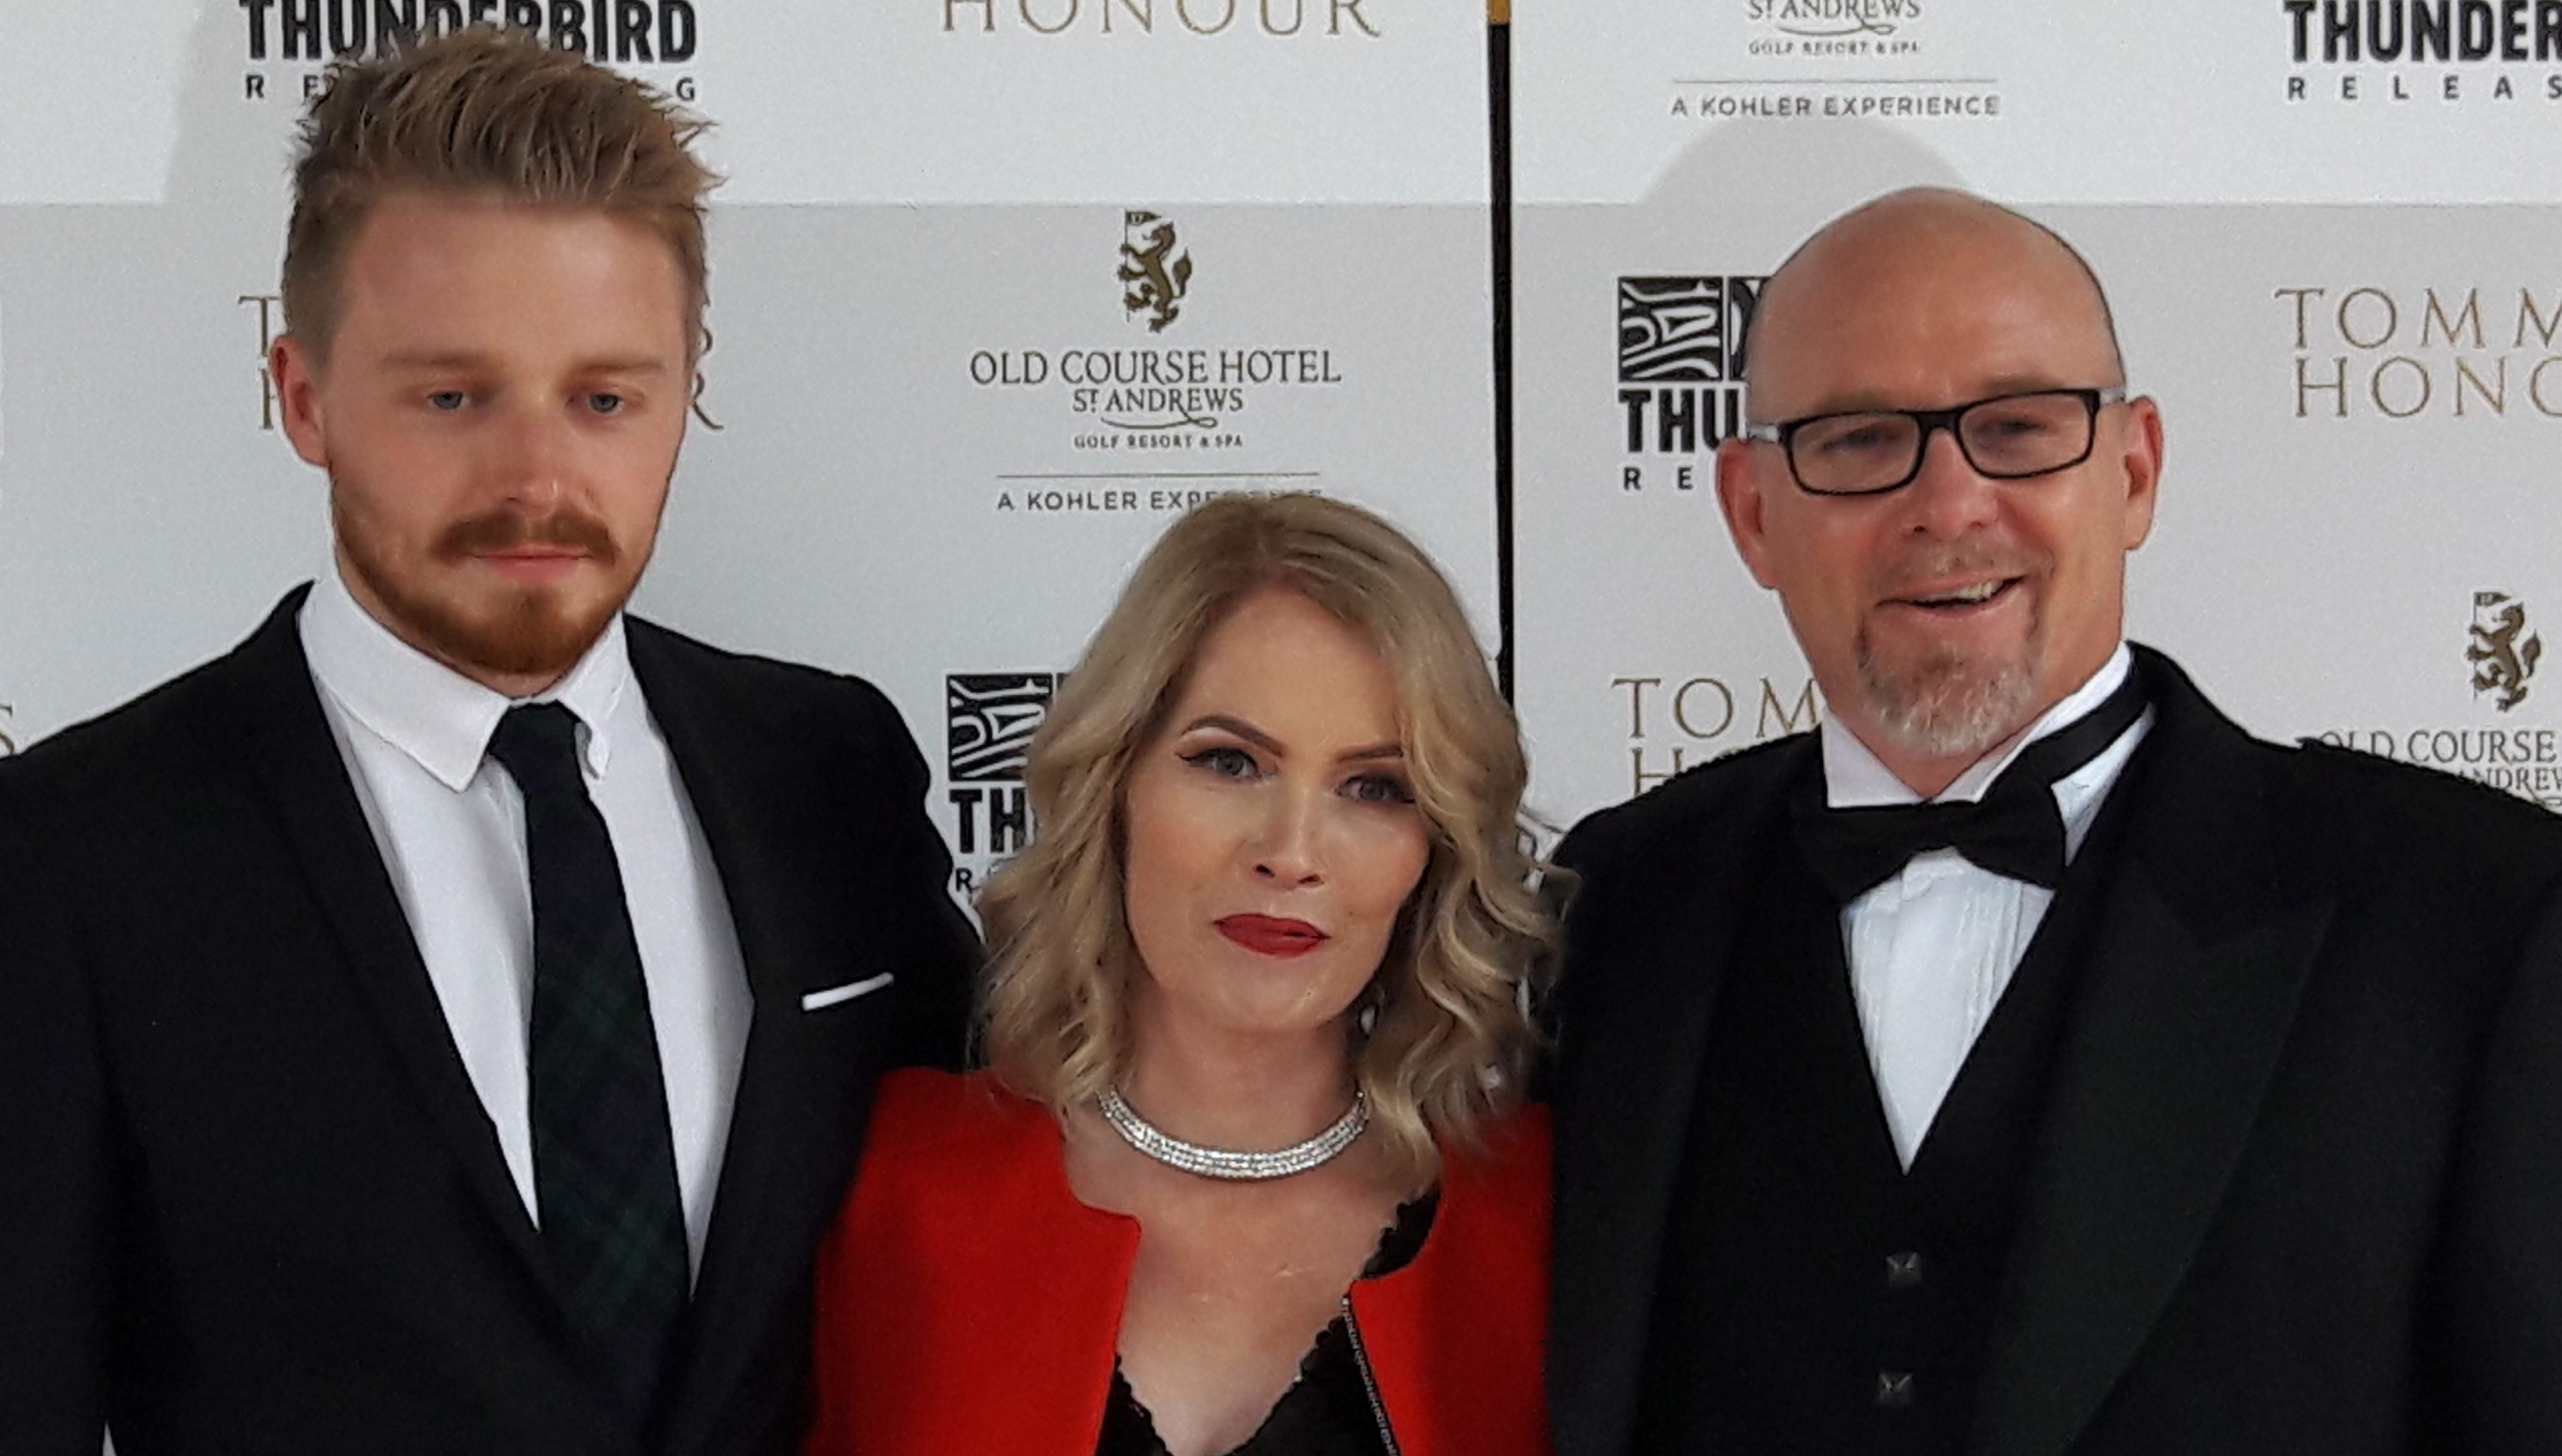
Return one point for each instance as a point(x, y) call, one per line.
point(55, 1173)
point(2499, 1301)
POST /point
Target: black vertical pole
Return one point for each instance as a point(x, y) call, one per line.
point(1499, 102)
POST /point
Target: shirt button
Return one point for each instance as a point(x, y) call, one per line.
point(1903, 1271)
point(1894, 1389)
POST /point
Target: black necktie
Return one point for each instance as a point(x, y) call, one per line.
point(604, 1166)
point(2016, 831)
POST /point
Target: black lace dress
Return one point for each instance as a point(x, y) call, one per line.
point(1326, 1411)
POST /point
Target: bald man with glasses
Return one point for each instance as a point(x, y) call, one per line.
point(2029, 1063)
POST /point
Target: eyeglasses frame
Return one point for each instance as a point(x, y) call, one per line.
point(1784, 433)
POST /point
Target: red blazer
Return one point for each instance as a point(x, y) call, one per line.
point(967, 1301)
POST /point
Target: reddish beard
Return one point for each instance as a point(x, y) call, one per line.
point(532, 631)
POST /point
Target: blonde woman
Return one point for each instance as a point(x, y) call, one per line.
point(1248, 1172)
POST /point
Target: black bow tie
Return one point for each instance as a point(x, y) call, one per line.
point(2015, 831)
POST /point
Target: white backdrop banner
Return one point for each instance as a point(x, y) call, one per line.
point(2061, 100)
point(1170, 248)
point(2358, 538)
point(950, 432)
point(819, 100)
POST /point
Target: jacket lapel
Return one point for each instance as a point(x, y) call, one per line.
point(295, 762)
point(747, 1268)
point(1630, 1053)
point(2200, 958)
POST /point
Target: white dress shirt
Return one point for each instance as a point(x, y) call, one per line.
point(450, 825)
point(1932, 949)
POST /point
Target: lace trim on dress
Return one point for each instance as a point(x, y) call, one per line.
point(1326, 1410)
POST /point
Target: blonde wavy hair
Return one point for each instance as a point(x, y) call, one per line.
point(1450, 1041)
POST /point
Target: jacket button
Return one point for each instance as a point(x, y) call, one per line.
point(1894, 1389)
point(1903, 1271)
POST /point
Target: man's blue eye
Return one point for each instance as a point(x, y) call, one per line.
point(605, 403)
point(448, 399)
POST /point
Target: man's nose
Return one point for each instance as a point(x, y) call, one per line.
point(1948, 497)
point(534, 459)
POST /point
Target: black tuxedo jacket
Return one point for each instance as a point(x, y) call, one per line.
point(2297, 1186)
point(248, 1198)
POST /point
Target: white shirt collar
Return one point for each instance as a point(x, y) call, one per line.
point(433, 713)
point(1854, 778)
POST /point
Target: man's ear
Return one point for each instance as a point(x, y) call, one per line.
point(290, 363)
point(2141, 455)
point(1739, 495)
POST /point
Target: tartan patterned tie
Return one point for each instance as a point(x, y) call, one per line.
point(605, 1167)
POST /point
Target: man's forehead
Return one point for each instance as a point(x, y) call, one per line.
point(471, 268)
point(1860, 317)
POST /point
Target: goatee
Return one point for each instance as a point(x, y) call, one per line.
point(1948, 706)
point(534, 630)
point(1949, 703)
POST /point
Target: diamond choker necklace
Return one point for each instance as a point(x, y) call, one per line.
point(1224, 1162)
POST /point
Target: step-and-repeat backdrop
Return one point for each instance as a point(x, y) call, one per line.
point(999, 287)
point(2327, 230)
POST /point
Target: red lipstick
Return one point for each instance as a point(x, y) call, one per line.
point(1266, 935)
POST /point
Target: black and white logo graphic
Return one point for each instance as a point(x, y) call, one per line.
point(2361, 50)
point(308, 34)
point(1681, 365)
point(989, 719)
point(626, 32)
point(1684, 328)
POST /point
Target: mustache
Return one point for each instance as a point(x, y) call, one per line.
point(506, 530)
point(1936, 562)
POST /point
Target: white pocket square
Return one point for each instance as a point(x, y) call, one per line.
point(836, 996)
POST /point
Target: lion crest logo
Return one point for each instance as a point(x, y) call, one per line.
point(2503, 652)
point(1156, 272)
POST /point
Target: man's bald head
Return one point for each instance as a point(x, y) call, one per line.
point(1919, 229)
point(1945, 610)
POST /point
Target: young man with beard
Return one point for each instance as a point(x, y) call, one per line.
point(446, 1023)
point(2029, 1063)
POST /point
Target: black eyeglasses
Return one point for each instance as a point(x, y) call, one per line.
point(2009, 437)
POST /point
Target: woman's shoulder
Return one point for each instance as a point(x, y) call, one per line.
point(923, 1118)
point(960, 1172)
point(1511, 1149)
point(1498, 1186)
